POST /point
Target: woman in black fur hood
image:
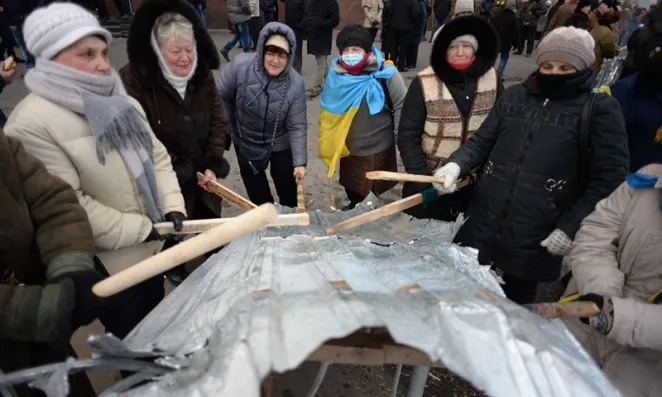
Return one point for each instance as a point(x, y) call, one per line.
point(445, 105)
point(171, 56)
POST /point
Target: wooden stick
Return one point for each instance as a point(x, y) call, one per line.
point(389, 209)
point(181, 253)
point(202, 225)
point(564, 310)
point(402, 177)
point(301, 204)
point(224, 192)
point(396, 206)
point(333, 197)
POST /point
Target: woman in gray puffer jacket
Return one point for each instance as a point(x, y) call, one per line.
point(265, 105)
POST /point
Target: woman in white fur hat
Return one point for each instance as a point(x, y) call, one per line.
point(80, 123)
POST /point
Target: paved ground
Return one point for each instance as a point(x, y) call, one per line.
point(341, 381)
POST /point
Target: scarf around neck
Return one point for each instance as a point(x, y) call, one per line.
point(177, 82)
point(114, 121)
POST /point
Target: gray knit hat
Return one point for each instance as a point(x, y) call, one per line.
point(567, 44)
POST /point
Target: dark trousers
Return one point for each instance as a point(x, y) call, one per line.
point(122, 7)
point(254, 27)
point(297, 64)
point(123, 311)
point(8, 41)
point(102, 9)
point(528, 35)
point(269, 16)
point(412, 55)
point(399, 45)
point(282, 173)
point(373, 32)
point(518, 290)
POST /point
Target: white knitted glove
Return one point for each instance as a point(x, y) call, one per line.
point(450, 172)
point(557, 243)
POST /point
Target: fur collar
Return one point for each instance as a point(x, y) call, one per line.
point(142, 58)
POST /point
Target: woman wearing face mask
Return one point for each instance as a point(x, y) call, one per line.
point(445, 105)
point(265, 105)
point(360, 109)
point(539, 181)
point(79, 121)
point(171, 56)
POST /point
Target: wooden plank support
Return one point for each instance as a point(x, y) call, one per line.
point(301, 204)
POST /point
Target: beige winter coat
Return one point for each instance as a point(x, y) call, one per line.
point(62, 140)
point(618, 253)
point(373, 12)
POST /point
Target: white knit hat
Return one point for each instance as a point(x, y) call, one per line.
point(49, 30)
point(463, 6)
point(467, 38)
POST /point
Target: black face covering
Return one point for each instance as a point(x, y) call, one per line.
point(561, 85)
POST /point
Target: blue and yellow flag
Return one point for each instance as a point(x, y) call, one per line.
point(339, 103)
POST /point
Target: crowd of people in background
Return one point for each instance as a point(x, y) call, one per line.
point(546, 171)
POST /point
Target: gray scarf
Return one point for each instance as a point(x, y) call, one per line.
point(115, 123)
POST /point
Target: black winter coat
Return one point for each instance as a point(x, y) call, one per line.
point(294, 14)
point(442, 9)
point(529, 185)
point(403, 15)
point(506, 24)
point(322, 16)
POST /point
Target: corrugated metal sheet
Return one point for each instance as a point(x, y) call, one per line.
point(268, 300)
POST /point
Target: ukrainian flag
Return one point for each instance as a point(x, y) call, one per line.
point(340, 101)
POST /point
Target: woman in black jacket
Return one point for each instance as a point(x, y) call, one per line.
point(445, 104)
point(540, 179)
point(580, 18)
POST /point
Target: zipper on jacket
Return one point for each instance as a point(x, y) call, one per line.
point(156, 106)
point(465, 120)
point(518, 169)
point(266, 112)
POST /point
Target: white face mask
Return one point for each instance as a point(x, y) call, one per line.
point(352, 59)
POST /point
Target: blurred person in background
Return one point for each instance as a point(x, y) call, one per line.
point(606, 37)
point(403, 17)
point(640, 96)
point(322, 17)
point(372, 11)
point(506, 24)
point(580, 19)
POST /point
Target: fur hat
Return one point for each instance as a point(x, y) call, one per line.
point(354, 36)
point(486, 53)
point(49, 30)
point(567, 44)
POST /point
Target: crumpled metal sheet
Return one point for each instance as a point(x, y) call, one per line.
point(611, 69)
point(269, 299)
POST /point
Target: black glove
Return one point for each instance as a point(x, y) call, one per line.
point(87, 305)
point(36, 313)
point(177, 219)
point(153, 236)
point(603, 321)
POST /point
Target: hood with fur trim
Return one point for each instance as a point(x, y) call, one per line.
point(142, 58)
point(485, 56)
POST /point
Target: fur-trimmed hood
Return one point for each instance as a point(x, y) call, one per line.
point(485, 56)
point(142, 58)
